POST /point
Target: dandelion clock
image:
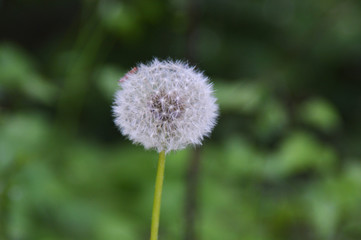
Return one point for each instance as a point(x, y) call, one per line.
point(166, 106)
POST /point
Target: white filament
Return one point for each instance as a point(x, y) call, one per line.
point(165, 105)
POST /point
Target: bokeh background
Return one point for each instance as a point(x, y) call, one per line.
point(284, 161)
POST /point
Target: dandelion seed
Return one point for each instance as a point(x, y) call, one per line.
point(165, 105)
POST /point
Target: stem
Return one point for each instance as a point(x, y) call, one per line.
point(157, 196)
point(192, 189)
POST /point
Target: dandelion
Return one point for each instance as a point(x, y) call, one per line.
point(166, 106)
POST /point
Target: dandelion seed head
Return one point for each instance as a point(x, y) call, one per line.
point(165, 105)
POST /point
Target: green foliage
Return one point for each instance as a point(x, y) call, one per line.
point(18, 74)
point(284, 161)
point(319, 114)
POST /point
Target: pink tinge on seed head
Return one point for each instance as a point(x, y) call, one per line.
point(133, 70)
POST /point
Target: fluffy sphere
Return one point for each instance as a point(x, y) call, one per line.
point(165, 105)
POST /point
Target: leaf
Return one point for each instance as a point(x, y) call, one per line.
point(244, 98)
point(18, 73)
point(320, 114)
point(301, 151)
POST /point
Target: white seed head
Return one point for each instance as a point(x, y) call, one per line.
point(165, 105)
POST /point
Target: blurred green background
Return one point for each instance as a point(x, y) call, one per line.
point(284, 161)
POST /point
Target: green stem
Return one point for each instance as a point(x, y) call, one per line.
point(157, 197)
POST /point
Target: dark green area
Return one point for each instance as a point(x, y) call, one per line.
point(284, 161)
